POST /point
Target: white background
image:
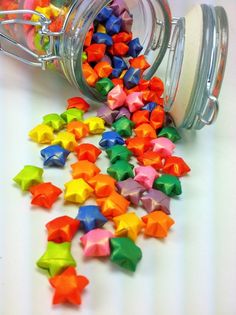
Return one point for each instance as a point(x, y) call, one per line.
point(192, 272)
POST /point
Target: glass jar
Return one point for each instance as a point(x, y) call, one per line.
point(197, 46)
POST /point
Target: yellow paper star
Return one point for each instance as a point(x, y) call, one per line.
point(128, 225)
point(101, 29)
point(42, 134)
point(77, 191)
point(66, 140)
point(96, 125)
point(46, 11)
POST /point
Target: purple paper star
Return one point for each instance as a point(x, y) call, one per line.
point(118, 7)
point(156, 200)
point(107, 114)
point(131, 190)
point(127, 22)
point(123, 112)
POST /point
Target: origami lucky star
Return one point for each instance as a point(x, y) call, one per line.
point(54, 155)
point(90, 218)
point(131, 190)
point(124, 127)
point(87, 151)
point(123, 112)
point(68, 287)
point(121, 170)
point(175, 166)
point(128, 225)
point(102, 184)
point(163, 146)
point(157, 224)
point(77, 191)
point(151, 158)
point(138, 145)
point(110, 138)
point(118, 152)
point(55, 121)
point(42, 134)
point(156, 200)
point(79, 129)
point(107, 114)
point(171, 133)
point(29, 176)
point(44, 195)
point(96, 125)
point(169, 185)
point(66, 140)
point(145, 175)
point(84, 169)
point(56, 258)
point(96, 243)
point(125, 253)
point(62, 229)
point(72, 114)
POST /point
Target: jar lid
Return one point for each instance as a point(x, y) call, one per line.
point(196, 65)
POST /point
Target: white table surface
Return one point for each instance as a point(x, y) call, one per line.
point(192, 272)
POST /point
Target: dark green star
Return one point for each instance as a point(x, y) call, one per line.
point(118, 152)
point(121, 170)
point(169, 185)
point(104, 86)
point(124, 127)
point(171, 133)
point(125, 253)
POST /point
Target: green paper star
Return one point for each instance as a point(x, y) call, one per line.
point(29, 176)
point(169, 185)
point(125, 253)
point(84, 56)
point(104, 86)
point(56, 258)
point(72, 115)
point(121, 170)
point(124, 127)
point(55, 121)
point(118, 152)
point(171, 133)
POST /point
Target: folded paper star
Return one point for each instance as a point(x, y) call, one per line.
point(66, 140)
point(90, 218)
point(145, 175)
point(96, 125)
point(131, 190)
point(28, 177)
point(176, 166)
point(42, 134)
point(96, 243)
point(124, 127)
point(107, 114)
point(77, 191)
point(55, 121)
point(157, 117)
point(125, 253)
point(171, 133)
point(102, 184)
point(128, 225)
point(151, 158)
point(72, 114)
point(110, 138)
point(113, 205)
point(156, 200)
point(54, 155)
point(79, 129)
point(123, 112)
point(68, 287)
point(62, 229)
point(79, 103)
point(116, 97)
point(118, 152)
point(163, 146)
point(44, 195)
point(157, 224)
point(145, 130)
point(87, 151)
point(138, 145)
point(56, 258)
point(140, 117)
point(169, 185)
point(84, 169)
point(121, 170)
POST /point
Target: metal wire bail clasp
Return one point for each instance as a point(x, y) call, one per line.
point(43, 24)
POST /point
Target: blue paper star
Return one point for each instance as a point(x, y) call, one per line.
point(54, 155)
point(111, 138)
point(150, 106)
point(90, 218)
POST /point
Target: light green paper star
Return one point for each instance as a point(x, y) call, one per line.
point(29, 176)
point(55, 121)
point(72, 114)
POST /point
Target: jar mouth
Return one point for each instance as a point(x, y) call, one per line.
point(154, 14)
point(202, 106)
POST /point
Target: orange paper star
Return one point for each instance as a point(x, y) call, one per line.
point(84, 169)
point(157, 224)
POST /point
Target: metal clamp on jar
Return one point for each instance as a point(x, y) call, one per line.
point(197, 46)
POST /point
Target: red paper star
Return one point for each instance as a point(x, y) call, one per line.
point(44, 195)
point(138, 145)
point(62, 229)
point(68, 287)
point(87, 151)
point(176, 166)
point(151, 158)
